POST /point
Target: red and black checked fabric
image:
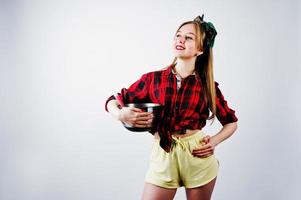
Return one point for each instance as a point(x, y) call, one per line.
point(183, 109)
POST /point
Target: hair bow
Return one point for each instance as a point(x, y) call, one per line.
point(209, 30)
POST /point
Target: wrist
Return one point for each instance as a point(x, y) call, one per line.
point(114, 109)
point(215, 141)
point(118, 114)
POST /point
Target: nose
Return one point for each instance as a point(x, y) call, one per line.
point(182, 39)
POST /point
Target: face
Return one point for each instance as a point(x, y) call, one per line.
point(184, 43)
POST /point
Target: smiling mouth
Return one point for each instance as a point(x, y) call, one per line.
point(178, 47)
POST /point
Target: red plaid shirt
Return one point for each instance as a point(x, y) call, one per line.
point(184, 108)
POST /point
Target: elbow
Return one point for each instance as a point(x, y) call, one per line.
point(231, 126)
point(234, 126)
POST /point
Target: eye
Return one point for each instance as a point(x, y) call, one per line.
point(188, 38)
point(178, 35)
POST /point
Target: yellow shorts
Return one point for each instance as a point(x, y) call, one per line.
point(179, 167)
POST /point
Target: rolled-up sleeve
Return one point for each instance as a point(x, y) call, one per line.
point(223, 112)
point(137, 92)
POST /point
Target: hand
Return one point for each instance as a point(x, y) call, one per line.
point(135, 117)
point(207, 148)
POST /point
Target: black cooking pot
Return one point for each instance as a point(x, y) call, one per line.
point(146, 107)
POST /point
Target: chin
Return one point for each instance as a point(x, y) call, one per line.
point(183, 57)
point(179, 55)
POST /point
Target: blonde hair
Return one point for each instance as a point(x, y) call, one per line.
point(204, 67)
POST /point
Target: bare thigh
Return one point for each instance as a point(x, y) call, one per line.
point(201, 193)
point(153, 192)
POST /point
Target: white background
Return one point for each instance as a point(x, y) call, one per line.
point(60, 60)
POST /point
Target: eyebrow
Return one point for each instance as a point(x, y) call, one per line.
point(189, 33)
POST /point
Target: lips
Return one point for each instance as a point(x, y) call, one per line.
point(179, 47)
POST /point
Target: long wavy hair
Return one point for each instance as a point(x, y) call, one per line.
point(204, 67)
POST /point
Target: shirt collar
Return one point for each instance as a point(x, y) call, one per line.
point(171, 70)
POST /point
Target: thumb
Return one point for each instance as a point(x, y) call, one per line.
point(206, 139)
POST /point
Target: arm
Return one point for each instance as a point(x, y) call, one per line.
point(227, 118)
point(209, 143)
point(137, 92)
point(224, 133)
point(132, 116)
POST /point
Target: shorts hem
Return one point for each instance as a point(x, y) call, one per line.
point(160, 184)
point(200, 185)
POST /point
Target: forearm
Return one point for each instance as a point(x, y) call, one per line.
point(113, 108)
point(225, 132)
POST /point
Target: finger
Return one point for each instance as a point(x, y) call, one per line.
point(204, 155)
point(142, 126)
point(206, 146)
point(136, 110)
point(144, 118)
point(145, 114)
point(139, 125)
point(203, 151)
point(144, 122)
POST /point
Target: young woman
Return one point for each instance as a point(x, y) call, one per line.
point(182, 155)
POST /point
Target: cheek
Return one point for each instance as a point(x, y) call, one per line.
point(191, 48)
point(174, 42)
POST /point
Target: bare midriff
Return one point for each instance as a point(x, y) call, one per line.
point(189, 132)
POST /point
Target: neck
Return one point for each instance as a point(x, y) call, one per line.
point(185, 67)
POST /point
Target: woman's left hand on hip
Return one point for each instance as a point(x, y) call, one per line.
point(207, 148)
